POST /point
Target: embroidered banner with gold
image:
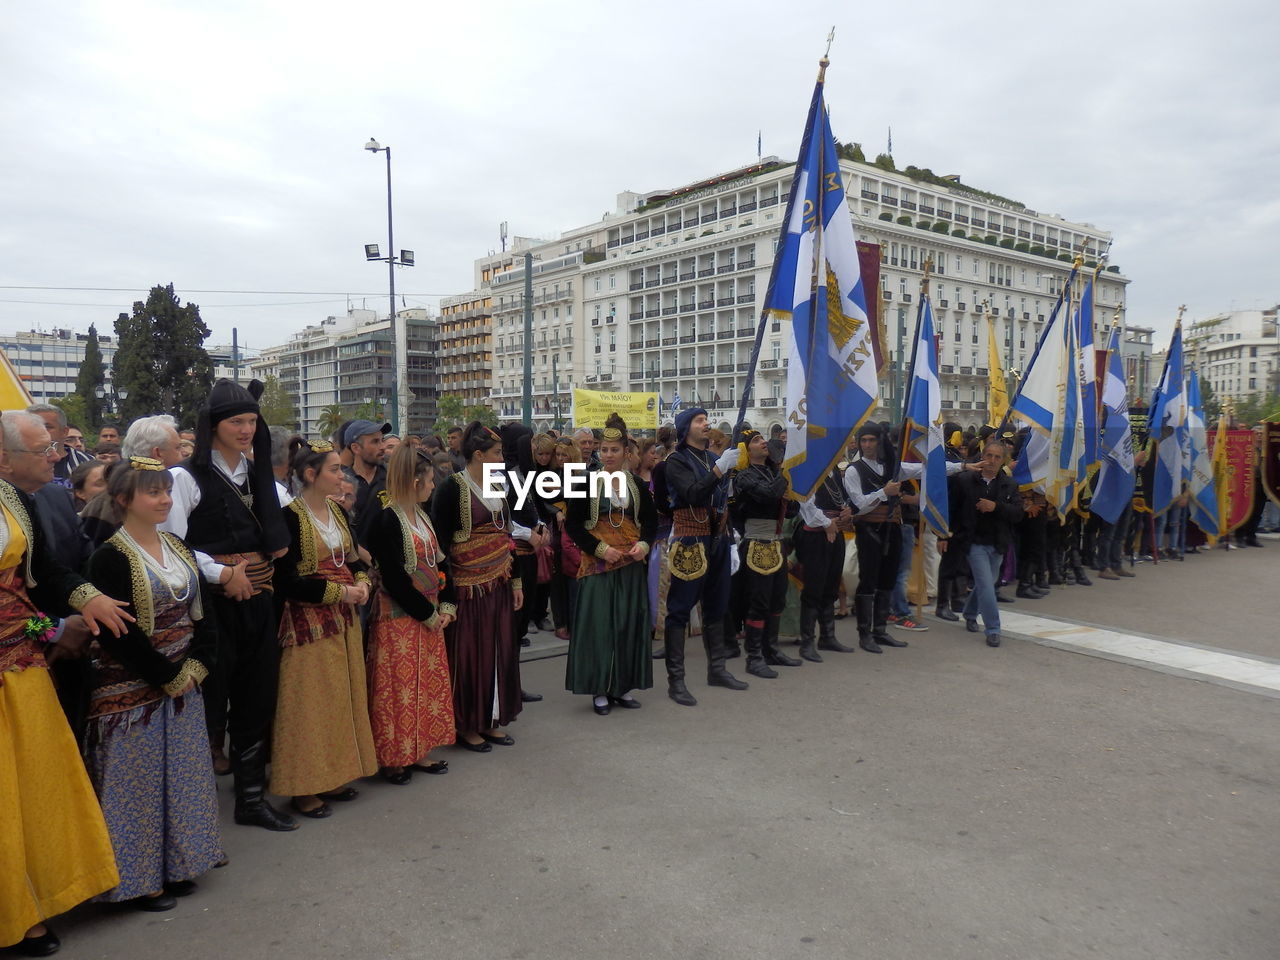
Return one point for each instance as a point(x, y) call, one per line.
point(1242, 465)
point(1269, 459)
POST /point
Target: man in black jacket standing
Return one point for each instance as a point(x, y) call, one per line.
point(984, 511)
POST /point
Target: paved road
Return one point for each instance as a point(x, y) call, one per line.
point(943, 801)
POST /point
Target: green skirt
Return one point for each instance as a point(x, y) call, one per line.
point(610, 638)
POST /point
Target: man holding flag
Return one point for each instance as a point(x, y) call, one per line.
point(1113, 493)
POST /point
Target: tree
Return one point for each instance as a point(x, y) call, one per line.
point(89, 381)
point(161, 365)
point(884, 161)
point(449, 413)
point(73, 406)
point(1209, 400)
point(277, 404)
point(485, 414)
point(331, 418)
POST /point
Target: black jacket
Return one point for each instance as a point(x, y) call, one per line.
point(995, 529)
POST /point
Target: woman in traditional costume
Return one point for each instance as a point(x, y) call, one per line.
point(54, 847)
point(410, 698)
point(322, 737)
point(148, 750)
point(609, 646)
point(476, 532)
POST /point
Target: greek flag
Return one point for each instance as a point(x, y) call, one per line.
point(1114, 489)
point(816, 283)
point(1169, 428)
point(1088, 377)
point(923, 423)
point(1041, 406)
point(676, 403)
point(1201, 485)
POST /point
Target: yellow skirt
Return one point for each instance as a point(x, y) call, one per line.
point(54, 848)
point(322, 737)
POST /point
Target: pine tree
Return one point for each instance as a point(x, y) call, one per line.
point(89, 381)
point(277, 404)
point(161, 365)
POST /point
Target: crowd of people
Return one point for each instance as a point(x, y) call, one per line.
point(299, 614)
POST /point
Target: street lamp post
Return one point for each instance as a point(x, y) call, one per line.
point(401, 397)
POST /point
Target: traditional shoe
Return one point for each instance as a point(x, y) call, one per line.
point(758, 668)
point(399, 779)
point(157, 904)
point(1027, 591)
point(993, 639)
point(506, 740)
point(972, 626)
point(1001, 598)
point(315, 813)
point(264, 815)
point(889, 640)
point(526, 697)
point(45, 945)
point(678, 692)
point(723, 678)
point(345, 795)
point(436, 767)
point(481, 747)
point(602, 709)
point(625, 704)
point(870, 645)
point(180, 888)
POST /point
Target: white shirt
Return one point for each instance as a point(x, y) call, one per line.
point(186, 497)
point(866, 502)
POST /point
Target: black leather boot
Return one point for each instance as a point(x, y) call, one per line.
point(717, 674)
point(249, 767)
point(1082, 578)
point(864, 605)
point(773, 655)
point(731, 648)
point(943, 610)
point(673, 641)
point(880, 628)
point(808, 626)
point(827, 631)
point(1028, 591)
point(754, 642)
point(1044, 583)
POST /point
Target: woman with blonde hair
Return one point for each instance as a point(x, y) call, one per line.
point(410, 697)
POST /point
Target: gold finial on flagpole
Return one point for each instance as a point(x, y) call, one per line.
point(924, 282)
point(1181, 310)
point(822, 64)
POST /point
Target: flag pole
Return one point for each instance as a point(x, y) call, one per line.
point(1057, 307)
point(763, 324)
point(911, 367)
point(917, 577)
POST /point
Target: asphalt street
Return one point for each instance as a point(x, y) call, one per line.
point(943, 801)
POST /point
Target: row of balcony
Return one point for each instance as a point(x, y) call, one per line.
point(693, 221)
point(700, 274)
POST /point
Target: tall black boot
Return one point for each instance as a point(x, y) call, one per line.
point(754, 642)
point(249, 766)
point(827, 631)
point(1082, 578)
point(943, 610)
point(881, 626)
point(773, 655)
point(808, 626)
point(1027, 591)
point(1044, 583)
point(673, 641)
point(864, 605)
point(717, 674)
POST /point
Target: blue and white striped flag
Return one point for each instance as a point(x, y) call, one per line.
point(923, 423)
point(1088, 376)
point(1169, 428)
point(1114, 489)
point(1200, 484)
point(817, 284)
point(676, 403)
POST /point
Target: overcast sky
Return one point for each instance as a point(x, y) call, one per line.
point(218, 145)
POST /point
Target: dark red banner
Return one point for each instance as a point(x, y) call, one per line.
point(1269, 467)
point(1242, 472)
point(869, 268)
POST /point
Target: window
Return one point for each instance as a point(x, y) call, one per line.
point(597, 284)
point(613, 283)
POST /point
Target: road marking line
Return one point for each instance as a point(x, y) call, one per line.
point(1215, 666)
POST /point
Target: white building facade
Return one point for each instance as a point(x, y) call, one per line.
point(1237, 352)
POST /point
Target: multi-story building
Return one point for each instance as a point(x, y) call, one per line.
point(1142, 362)
point(665, 294)
point(348, 361)
point(1237, 352)
point(48, 363)
point(465, 346)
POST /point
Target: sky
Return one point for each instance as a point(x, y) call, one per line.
point(219, 146)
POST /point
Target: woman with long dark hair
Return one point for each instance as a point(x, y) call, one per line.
point(410, 698)
point(475, 531)
point(609, 646)
point(322, 738)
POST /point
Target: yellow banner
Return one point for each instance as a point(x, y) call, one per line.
point(592, 407)
point(997, 389)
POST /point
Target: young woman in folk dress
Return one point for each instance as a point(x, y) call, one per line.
point(322, 738)
point(476, 533)
point(410, 698)
point(609, 646)
point(148, 750)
